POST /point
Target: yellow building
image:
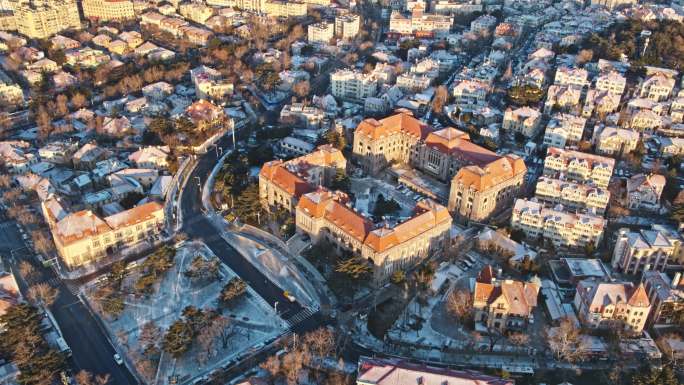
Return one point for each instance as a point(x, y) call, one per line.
point(326, 215)
point(282, 183)
point(83, 237)
point(40, 20)
point(108, 9)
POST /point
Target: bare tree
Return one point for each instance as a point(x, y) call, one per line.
point(584, 56)
point(440, 99)
point(460, 304)
point(272, 365)
point(5, 181)
point(321, 342)
point(293, 363)
point(86, 378)
point(565, 341)
point(302, 89)
point(78, 100)
point(62, 104)
point(150, 334)
point(41, 241)
point(223, 328)
point(43, 294)
point(26, 270)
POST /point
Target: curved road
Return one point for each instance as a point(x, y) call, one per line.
point(197, 226)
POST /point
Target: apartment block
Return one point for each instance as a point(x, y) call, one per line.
point(562, 228)
point(657, 87)
point(347, 26)
point(281, 184)
point(42, 19)
point(611, 305)
point(197, 12)
point(105, 10)
point(323, 214)
point(210, 84)
point(504, 305)
point(572, 195)
point(644, 250)
point(322, 32)
point(353, 85)
point(470, 93)
point(578, 166)
point(524, 120)
point(277, 8)
point(564, 129)
point(570, 76)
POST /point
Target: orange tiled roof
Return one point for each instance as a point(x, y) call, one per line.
point(401, 122)
point(278, 174)
point(639, 297)
point(500, 170)
point(135, 215)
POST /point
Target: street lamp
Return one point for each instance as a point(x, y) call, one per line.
point(275, 307)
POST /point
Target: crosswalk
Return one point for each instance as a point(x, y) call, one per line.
point(301, 316)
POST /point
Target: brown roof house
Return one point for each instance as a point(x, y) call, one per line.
point(504, 305)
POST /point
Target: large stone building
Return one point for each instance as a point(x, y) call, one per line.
point(525, 120)
point(611, 305)
point(83, 237)
point(420, 23)
point(562, 228)
point(578, 166)
point(104, 10)
point(481, 180)
point(281, 184)
point(327, 215)
point(643, 191)
point(644, 250)
point(41, 19)
point(503, 305)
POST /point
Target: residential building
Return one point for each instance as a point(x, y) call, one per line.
point(612, 82)
point(562, 98)
point(524, 120)
point(16, 157)
point(478, 192)
point(562, 228)
point(209, 83)
point(197, 12)
point(154, 157)
point(88, 155)
point(347, 26)
point(420, 23)
point(503, 305)
point(284, 8)
point(470, 93)
point(643, 191)
point(671, 146)
point(58, 152)
point(353, 85)
point(281, 184)
point(323, 214)
point(666, 296)
point(612, 305)
point(205, 115)
point(613, 140)
point(105, 10)
point(484, 24)
point(657, 87)
point(644, 250)
point(413, 83)
point(578, 166)
point(564, 129)
point(600, 103)
point(82, 237)
point(41, 19)
point(613, 4)
point(392, 371)
point(322, 32)
point(11, 94)
point(300, 114)
point(570, 76)
point(572, 195)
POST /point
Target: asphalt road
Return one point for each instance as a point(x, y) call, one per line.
point(197, 226)
point(90, 347)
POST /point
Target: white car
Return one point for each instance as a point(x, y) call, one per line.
point(117, 359)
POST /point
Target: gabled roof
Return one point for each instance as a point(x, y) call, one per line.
point(401, 122)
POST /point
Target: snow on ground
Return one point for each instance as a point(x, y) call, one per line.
point(252, 319)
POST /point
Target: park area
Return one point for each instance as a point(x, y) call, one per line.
point(180, 313)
